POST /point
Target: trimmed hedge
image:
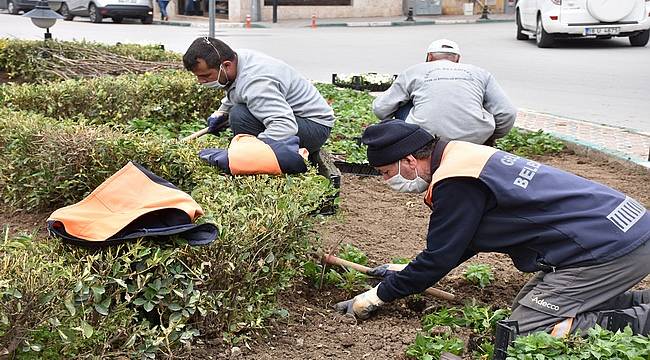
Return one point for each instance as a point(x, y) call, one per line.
point(24, 59)
point(169, 100)
point(146, 297)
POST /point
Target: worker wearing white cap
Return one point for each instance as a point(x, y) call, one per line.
point(451, 100)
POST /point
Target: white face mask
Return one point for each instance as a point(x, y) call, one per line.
point(401, 184)
point(216, 84)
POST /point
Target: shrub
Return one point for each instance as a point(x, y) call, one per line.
point(26, 59)
point(166, 102)
point(481, 319)
point(479, 274)
point(144, 297)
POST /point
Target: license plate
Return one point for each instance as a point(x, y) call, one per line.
point(602, 31)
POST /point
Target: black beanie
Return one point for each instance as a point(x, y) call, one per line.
point(392, 140)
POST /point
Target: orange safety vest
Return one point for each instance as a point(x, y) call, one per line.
point(132, 203)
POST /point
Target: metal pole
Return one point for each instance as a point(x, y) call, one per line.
point(255, 10)
point(275, 11)
point(211, 11)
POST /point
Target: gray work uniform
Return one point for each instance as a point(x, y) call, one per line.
point(572, 298)
point(271, 100)
point(451, 100)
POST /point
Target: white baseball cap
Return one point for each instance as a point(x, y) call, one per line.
point(444, 46)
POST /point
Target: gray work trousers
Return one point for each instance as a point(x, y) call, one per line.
point(573, 298)
point(312, 135)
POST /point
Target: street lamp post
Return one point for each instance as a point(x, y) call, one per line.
point(43, 17)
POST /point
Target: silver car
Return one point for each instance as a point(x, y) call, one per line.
point(117, 10)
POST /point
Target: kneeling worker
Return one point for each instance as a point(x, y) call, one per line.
point(264, 96)
point(587, 242)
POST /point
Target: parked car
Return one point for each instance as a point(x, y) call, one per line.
point(117, 10)
point(16, 6)
point(548, 20)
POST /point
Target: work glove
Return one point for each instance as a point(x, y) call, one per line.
point(362, 305)
point(386, 270)
point(217, 122)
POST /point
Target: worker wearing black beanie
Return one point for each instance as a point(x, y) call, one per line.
point(486, 200)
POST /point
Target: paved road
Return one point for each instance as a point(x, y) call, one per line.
point(604, 81)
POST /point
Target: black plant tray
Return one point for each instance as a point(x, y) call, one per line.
point(358, 84)
point(327, 168)
point(356, 169)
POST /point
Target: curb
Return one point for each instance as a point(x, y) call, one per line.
point(409, 23)
point(590, 149)
point(219, 25)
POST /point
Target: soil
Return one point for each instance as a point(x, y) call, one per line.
point(386, 225)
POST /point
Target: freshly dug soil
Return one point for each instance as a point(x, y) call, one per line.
point(385, 225)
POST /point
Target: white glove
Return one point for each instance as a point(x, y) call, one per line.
point(362, 305)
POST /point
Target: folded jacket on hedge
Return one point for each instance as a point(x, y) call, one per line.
point(132, 203)
point(248, 155)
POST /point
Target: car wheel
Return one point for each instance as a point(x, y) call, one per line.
point(94, 14)
point(12, 8)
point(147, 19)
point(542, 38)
point(520, 34)
point(117, 20)
point(640, 39)
point(65, 12)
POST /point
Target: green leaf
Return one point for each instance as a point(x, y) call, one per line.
point(148, 306)
point(174, 307)
point(87, 329)
point(69, 304)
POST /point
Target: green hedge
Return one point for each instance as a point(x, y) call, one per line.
point(140, 298)
point(24, 59)
point(169, 101)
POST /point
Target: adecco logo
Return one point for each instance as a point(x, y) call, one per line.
point(543, 303)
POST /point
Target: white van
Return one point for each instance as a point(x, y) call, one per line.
point(117, 10)
point(547, 20)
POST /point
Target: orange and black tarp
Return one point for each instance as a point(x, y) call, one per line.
point(132, 203)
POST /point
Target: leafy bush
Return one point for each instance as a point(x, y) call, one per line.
point(353, 254)
point(479, 274)
point(25, 59)
point(429, 348)
point(166, 102)
point(144, 297)
point(598, 344)
point(525, 143)
point(353, 111)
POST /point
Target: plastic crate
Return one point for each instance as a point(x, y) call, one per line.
point(358, 84)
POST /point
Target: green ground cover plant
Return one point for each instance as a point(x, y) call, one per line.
point(479, 274)
point(26, 59)
point(527, 143)
point(597, 344)
point(353, 111)
point(348, 280)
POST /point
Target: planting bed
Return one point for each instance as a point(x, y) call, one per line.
point(386, 225)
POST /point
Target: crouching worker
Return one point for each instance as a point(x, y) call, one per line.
point(587, 243)
point(265, 97)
